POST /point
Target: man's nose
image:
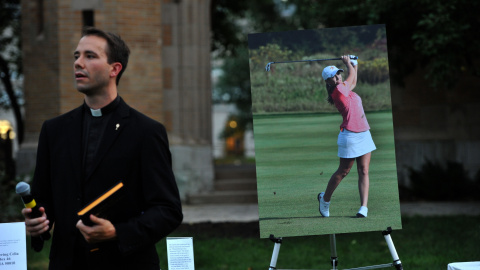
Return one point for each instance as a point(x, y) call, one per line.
point(78, 62)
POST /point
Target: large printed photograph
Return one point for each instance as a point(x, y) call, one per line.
point(323, 131)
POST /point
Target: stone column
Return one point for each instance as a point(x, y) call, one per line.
point(187, 87)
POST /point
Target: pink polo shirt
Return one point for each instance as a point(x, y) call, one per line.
point(349, 104)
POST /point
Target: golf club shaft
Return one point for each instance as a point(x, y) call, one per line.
point(267, 68)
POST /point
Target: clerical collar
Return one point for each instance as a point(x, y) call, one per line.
point(96, 113)
point(105, 110)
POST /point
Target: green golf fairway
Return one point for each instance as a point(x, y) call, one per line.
point(296, 154)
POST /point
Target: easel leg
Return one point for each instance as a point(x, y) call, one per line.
point(396, 260)
point(276, 250)
point(333, 252)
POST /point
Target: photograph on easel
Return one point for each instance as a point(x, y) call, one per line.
point(323, 131)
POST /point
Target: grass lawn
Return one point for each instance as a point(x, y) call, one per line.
point(296, 154)
point(424, 243)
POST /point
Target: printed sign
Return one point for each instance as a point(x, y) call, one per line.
point(180, 253)
point(13, 246)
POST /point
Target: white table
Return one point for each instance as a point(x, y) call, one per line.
point(464, 266)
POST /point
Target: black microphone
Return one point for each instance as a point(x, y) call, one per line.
point(23, 189)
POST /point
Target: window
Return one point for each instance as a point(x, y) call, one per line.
point(40, 17)
point(88, 18)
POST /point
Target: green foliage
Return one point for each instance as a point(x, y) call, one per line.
point(299, 87)
point(335, 41)
point(444, 182)
point(11, 56)
point(268, 53)
point(10, 202)
point(234, 86)
point(442, 35)
point(233, 20)
point(439, 36)
point(10, 28)
point(374, 71)
point(233, 82)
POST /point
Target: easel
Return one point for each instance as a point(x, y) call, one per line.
point(333, 253)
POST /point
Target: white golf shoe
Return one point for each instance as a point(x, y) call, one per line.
point(323, 205)
point(362, 212)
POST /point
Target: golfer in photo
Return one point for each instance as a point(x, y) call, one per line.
point(355, 142)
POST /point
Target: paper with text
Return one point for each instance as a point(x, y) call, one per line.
point(13, 246)
point(180, 253)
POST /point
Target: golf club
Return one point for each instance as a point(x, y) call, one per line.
point(267, 67)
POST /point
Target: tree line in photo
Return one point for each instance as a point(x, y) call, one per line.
point(299, 87)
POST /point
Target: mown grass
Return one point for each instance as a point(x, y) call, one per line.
point(424, 243)
point(296, 154)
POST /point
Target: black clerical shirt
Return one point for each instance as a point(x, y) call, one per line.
point(94, 124)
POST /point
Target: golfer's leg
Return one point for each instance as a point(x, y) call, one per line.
point(342, 171)
point(363, 164)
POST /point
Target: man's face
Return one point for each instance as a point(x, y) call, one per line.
point(91, 67)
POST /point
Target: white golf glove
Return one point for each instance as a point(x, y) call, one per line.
point(353, 61)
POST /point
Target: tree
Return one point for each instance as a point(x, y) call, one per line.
point(231, 23)
point(10, 55)
point(439, 36)
point(234, 86)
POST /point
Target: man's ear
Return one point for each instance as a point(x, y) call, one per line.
point(116, 68)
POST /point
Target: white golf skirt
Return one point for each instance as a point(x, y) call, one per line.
point(354, 144)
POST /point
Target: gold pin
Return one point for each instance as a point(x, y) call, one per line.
point(117, 126)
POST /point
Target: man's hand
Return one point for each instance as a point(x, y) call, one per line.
point(35, 226)
point(103, 230)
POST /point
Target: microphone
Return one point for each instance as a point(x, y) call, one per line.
point(23, 189)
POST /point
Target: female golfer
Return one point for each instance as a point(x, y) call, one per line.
point(354, 140)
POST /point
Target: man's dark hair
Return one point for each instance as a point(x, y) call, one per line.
point(117, 50)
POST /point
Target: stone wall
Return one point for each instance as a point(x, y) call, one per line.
point(167, 78)
point(187, 87)
point(48, 55)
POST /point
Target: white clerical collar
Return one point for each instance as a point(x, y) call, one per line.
point(96, 113)
point(105, 110)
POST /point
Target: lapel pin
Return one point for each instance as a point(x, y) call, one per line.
point(117, 126)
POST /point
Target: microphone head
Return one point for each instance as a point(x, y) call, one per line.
point(23, 189)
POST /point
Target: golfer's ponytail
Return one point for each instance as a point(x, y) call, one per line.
point(330, 89)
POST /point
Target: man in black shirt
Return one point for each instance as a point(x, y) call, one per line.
point(84, 152)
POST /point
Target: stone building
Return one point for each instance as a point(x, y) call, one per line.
point(168, 75)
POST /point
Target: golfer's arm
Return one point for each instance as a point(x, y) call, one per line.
point(356, 75)
point(352, 76)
